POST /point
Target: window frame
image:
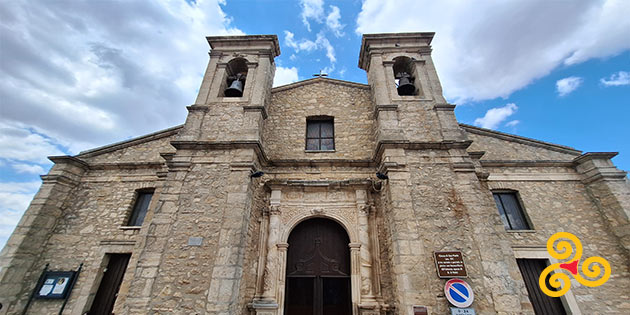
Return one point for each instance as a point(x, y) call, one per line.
point(319, 120)
point(505, 218)
point(133, 216)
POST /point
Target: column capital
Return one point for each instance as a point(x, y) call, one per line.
point(354, 246)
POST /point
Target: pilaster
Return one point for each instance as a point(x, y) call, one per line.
point(609, 190)
point(18, 274)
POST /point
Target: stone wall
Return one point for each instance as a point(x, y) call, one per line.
point(500, 146)
point(285, 129)
point(92, 224)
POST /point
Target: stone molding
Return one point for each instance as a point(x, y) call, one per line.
point(519, 139)
point(131, 142)
point(378, 43)
point(317, 80)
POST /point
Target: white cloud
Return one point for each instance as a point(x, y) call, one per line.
point(19, 143)
point(332, 21)
point(512, 123)
point(109, 73)
point(312, 9)
point(285, 76)
point(28, 168)
point(301, 45)
point(617, 79)
point(568, 85)
point(323, 42)
point(495, 116)
point(308, 45)
point(488, 49)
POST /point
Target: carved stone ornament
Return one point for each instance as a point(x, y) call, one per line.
point(366, 208)
point(274, 209)
point(317, 211)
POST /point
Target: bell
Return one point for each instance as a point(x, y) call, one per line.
point(405, 87)
point(235, 89)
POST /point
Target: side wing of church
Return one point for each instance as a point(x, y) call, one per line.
point(318, 197)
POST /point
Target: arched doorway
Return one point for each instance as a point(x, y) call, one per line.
point(318, 270)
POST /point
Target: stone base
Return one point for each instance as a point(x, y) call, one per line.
point(264, 307)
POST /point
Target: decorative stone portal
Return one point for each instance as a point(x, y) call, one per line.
point(318, 269)
point(298, 213)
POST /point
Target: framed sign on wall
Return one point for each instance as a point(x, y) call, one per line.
point(55, 285)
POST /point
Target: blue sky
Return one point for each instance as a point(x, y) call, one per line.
point(81, 74)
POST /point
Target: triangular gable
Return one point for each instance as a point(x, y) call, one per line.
point(319, 80)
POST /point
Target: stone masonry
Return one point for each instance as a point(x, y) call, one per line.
point(215, 239)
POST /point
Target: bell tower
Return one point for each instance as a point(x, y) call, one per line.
point(409, 105)
point(235, 91)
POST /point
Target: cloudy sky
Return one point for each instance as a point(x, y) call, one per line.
point(81, 74)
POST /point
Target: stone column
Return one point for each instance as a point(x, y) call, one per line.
point(367, 291)
point(282, 259)
point(269, 300)
point(355, 275)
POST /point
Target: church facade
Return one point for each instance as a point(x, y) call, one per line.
point(317, 197)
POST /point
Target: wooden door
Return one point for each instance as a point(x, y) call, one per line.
point(110, 284)
point(318, 270)
point(542, 303)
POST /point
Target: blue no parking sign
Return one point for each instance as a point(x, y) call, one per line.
point(459, 293)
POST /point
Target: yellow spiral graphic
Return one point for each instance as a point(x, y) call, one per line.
point(564, 247)
point(592, 270)
point(557, 280)
point(592, 267)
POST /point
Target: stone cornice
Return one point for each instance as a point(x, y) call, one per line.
point(245, 43)
point(275, 183)
point(594, 155)
point(127, 165)
point(526, 163)
point(322, 162)
point(397, 41)
point(223, 145)
point(412, 145)
point(59, 179)
point(131, 142)
point(66, 159)
point(519, 139)
point(318, 80)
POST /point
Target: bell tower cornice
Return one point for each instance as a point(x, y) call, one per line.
point(258, 44)
point(419, 42)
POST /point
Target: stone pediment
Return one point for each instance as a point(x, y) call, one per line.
point(319, 80)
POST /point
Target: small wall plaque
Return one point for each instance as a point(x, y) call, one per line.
point(420, 310)
point(195, 241)
point(450, 264)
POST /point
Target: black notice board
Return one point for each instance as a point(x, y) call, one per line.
point(55, 285)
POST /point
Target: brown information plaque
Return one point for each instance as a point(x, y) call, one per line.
point(420, 310)
point(450, 265)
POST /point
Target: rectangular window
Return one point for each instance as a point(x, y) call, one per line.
point(140, 208)
point(542, 303)
point(320, 134)
point(511, 211)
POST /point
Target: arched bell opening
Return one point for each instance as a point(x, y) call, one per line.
point(404, 71)
point(318, 269)
point(235, 76)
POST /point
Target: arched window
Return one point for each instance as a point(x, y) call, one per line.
point(404, 70)
point(236, 73)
